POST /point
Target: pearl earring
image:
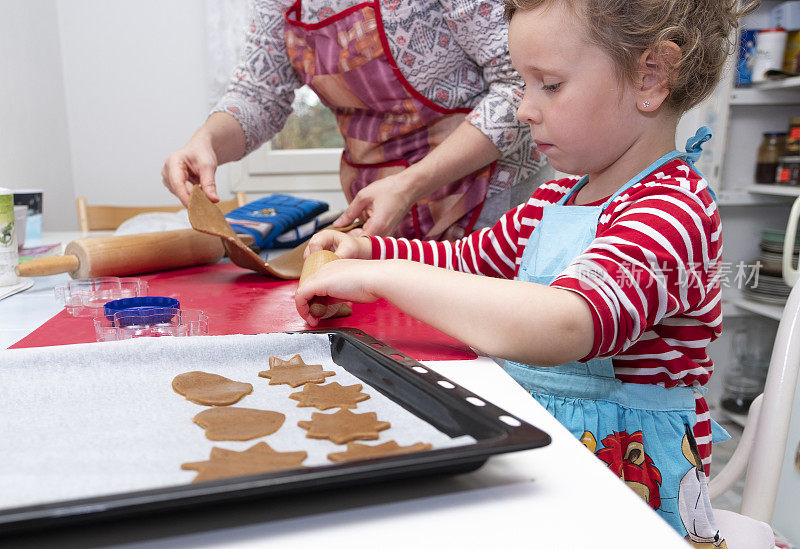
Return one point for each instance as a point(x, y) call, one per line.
point(646, 103)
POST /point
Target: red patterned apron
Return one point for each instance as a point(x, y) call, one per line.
point(387, 125)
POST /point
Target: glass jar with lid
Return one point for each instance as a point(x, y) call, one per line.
point(769, 154)
point(745, 379)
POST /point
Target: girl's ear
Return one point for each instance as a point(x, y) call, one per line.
point(654, 68)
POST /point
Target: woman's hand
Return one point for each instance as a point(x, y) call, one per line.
point(196, 163)
point(345, 245)
point(221, 139)
point(382, 204)
point(342, 280)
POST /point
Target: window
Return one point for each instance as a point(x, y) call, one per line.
point(303, 159)
point(311, 126)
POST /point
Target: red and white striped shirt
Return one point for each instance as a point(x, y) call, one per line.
point(651, 276)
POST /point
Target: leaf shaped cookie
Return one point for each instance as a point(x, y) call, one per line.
point(210, 389)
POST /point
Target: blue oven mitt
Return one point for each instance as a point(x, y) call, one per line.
point(297, 235)
point(268, 217)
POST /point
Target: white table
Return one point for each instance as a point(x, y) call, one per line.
point(559, 496)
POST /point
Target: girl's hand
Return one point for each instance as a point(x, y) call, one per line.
point(343, 280)
point(383, 204)
point(345, 245)
point(195, 163)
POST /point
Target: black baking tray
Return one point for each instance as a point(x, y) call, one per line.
point(450, 408)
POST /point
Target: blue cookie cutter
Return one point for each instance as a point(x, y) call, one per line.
point(129, 311)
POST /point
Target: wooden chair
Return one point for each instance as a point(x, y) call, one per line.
point(107, 218)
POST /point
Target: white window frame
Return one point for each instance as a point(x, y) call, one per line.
point(287, 171)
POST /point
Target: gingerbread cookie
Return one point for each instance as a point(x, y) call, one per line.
point(344, 426)
point(238, 423)
point(259, 458)
point(331, 395)
point(357, 450)
point(294, 372)
point(210, 389)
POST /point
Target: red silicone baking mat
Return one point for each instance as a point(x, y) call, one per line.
point(242, 302)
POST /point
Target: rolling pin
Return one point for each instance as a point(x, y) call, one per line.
point(320, 306)
point(128, 255)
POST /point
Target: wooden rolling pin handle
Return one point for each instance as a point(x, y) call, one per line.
point(318, 305)
point(45, 266)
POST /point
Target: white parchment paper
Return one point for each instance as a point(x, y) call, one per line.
point(97, 419)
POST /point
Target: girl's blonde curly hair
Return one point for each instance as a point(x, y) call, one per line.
point(702, 29)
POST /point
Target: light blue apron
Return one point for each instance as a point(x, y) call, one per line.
point(641, 431)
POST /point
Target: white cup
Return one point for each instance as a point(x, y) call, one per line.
point(770, 46)
point(20, 221)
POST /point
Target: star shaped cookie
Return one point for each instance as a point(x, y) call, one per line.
point(294, 372)
point(344, 426)
point(332, 395)
point(259, 458)
point(210, 389)
point(356, 450)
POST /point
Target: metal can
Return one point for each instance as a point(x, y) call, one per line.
point(792, 146)
point(789, 170)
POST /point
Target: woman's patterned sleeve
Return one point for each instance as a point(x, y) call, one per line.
point(482, 32)
point(262, 87)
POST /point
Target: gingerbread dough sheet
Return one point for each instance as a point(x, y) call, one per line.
point(128, 430)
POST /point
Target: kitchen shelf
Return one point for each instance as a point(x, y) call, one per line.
point(775, 190)
point(729, 310)
point(763, 309)
point(738, 419)
point(775, 92)
point(793, 82)
point(747, 197)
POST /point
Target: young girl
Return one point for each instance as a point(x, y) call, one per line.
point(601, 292)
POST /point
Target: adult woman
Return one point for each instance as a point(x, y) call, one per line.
point(424, 95)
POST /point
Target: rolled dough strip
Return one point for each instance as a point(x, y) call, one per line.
point(320, 306)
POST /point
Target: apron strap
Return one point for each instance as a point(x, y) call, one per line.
point(694, 145)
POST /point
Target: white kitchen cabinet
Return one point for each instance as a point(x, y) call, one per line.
point(738, 116)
